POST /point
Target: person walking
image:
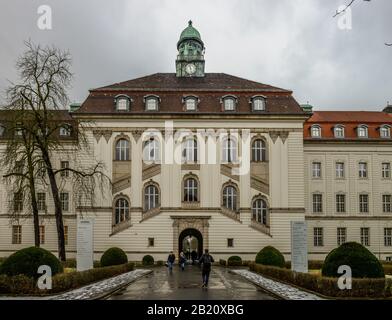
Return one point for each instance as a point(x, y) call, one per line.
point(170, 261)
point(182, 260)
point(194, 256)
point(207, 260)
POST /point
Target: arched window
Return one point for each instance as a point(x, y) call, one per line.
point(122, 150)
point(258, 103)
point(191, 190)
point(260, 211)
point(121, 210)
point(190, 150)
point(65, 130)
point(151, 150)
point(362, 131)
point(229, 103)
point(152, 103)
point(339, 131)
point(230, 198)
point(151, 197)
point(259, 153)
point(122, 102)
point(385, 131)
point(315, 131)
point(229, 150)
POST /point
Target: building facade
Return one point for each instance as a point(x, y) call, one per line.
point(208, 160)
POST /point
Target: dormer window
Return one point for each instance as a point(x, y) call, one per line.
point(385, 132)
point(65, 130)
point(191, 103)
point(315, 131)
point(362, 131)
point(339, 131)
point(258, 103)
point(2, 130)
point(229, 103)
point(151, 103)
point(122, 103)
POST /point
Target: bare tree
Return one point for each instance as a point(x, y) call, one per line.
point(45, 77)
point(20, 163)
point(338, 12)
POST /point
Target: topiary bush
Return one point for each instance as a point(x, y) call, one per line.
point(113, 257)
point(148, 260)
point(270, 256)
point(234, 261)
point(362, 262)
point(27, 261)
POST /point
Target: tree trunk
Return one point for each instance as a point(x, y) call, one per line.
point(34, 204)
point(57, 205)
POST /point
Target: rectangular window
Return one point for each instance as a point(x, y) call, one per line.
point(16, 234)
point(339, 170)
point(152, 104)
point(363, 203)
point(316, 170)
point(386, 170)
point(41, 201)
point(18, 201)
point(318, 237)
point(42, 234)
point(64, 198)
point(66, 235)
point(317, 203)
point(230, 242)
point(151, 242)
point(341, 236)
point(365, 236)
point(340, 203)
point(388, 237)
point(363, 170)
point(64, 165)
point(386, 203)
point(41, 169)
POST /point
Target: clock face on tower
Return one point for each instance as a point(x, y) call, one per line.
point(190, 68)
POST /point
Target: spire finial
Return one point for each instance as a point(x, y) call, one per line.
point(190, 23)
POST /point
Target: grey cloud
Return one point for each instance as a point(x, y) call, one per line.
point(294, 44)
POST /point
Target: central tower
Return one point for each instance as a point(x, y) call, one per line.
point(190, 59)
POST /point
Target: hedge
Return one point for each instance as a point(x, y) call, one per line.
point(27, 261)
point(113, 257)
point(23, 285)
point(270, 256)
point(222, 262)
point(234, 261)
point(370, 288)
point(148, 260)
point(363, 263)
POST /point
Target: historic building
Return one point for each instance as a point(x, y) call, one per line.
point(210, 160)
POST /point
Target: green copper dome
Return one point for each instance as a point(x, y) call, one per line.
point(190, 33)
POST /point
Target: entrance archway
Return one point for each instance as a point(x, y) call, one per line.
point(191, 239)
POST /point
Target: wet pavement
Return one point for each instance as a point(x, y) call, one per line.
point(186, 285)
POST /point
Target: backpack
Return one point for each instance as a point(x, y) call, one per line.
point(207, 260)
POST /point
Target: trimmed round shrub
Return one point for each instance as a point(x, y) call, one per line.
point(148, 260)
point(234, 261)
point(27, 261)
point(363, 263)
point(270, 256)
point(113, 257)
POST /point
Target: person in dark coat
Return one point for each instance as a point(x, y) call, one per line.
point(170, 261)
point(182, 260)
point(207, 260)
point(194, 256)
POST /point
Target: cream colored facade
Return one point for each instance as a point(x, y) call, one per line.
point(352, 186)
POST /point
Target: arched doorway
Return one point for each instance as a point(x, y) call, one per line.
point(191, 239)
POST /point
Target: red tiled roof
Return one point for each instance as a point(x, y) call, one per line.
point(171, 90)
point(350, 120)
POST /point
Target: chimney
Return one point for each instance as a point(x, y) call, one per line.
point(74, 107)
point(388, 108)
point(307, 108)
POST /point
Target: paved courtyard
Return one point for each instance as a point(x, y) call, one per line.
point(186, 285)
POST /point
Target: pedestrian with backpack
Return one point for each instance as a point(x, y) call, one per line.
point(207, 260)
point(170, 261)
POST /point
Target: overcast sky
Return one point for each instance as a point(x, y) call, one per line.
point(293, 44)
